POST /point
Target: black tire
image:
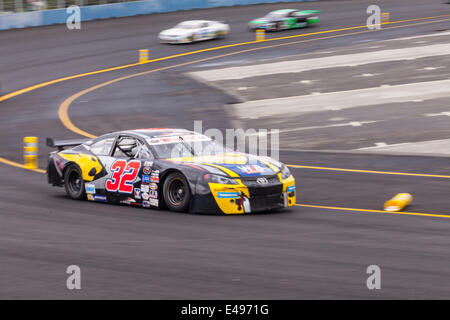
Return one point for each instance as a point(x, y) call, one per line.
point(74, 183)
point(278, 26)
point(176, 192)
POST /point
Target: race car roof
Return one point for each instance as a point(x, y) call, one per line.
point(157, 132)
point(283, 10)
point(193, 23)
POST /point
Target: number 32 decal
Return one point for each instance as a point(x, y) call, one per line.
point(124, 174)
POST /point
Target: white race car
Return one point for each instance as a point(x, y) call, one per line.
point(194, 30)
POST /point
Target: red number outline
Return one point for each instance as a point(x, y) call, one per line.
point(123, 177)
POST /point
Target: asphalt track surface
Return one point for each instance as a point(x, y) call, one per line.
point(131, 253)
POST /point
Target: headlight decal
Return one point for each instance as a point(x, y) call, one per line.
point(285, 173)
point(219, 179)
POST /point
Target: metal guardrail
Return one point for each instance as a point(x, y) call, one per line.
point(36, 5)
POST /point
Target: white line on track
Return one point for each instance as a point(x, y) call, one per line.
point(421, 36)
point(445, 113)
point(424, 147)
point(311, 103)
point(346, 124)
point(295, 66)
point(366, 75)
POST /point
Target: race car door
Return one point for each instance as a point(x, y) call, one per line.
point(205, 31)
point(132, 162)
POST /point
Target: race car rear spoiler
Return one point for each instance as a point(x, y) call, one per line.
point(61, 144)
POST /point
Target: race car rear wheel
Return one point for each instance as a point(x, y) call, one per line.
point(176, 192)
point(73, 182)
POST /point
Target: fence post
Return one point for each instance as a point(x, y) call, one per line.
point(18, 6)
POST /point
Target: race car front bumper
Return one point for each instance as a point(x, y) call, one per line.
point(247, 197)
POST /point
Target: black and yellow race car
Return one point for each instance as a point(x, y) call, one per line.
point(175, 169)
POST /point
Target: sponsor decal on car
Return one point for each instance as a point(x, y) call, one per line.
point(154, 202)
point(155, 176)
point(146, 204)
point(147, 170)
point(137, 193)
point(145, 195)
point(153, 186)
point(90, 188)
point(145, 188)
point(145, 179)
point(251, 168)
point(290, 188)
point(129, 201)
point(175, 139)
point(148, 163)
point(96, 197)
point(153, 194)
point(228, 195)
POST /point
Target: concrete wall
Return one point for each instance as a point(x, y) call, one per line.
point(114, 10)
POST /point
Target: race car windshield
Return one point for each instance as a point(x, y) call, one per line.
point(183, 148)
point(274, 15)
point(184, 25)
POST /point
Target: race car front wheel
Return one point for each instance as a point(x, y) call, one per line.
point(176, 192)
point(73, 181)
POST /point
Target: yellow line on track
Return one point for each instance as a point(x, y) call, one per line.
point(44, 84)
point(374, 211)
point(19, 165)
point(371, 171)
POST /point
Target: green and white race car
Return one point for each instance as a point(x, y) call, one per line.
point(285, 19)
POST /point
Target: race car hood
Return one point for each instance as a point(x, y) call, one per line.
point(233, 164)
point(175, 32)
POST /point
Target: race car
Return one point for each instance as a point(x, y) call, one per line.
point(285, 19)
point(194, 30)
point(173, 169)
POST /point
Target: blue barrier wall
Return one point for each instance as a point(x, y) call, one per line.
point(115, 10)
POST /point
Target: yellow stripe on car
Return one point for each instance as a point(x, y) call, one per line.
point(86, 162)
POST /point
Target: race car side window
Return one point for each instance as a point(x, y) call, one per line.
point(126, 147)
point(144, 153)
point(102, 147)
point(131, 147)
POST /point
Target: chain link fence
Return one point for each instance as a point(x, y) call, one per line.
point(7, 6)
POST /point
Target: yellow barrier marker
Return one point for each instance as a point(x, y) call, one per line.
point(398, 202)
point(260, 35)
point(30, 152)
point(143, 55)
point(385, 17)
